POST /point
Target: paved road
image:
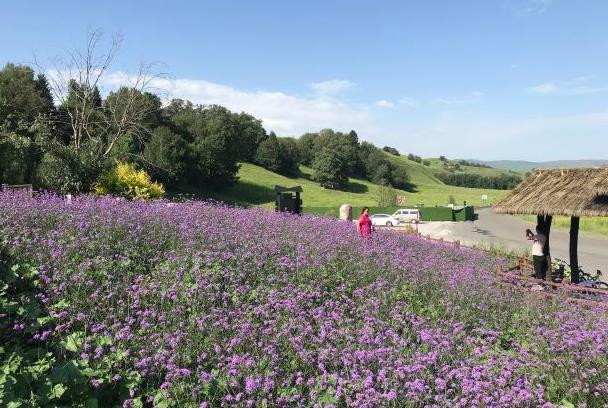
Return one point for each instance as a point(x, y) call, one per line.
point(509, 231)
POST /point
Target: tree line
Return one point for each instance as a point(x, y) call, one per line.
point(64, 136)
point(336, 156)
point(67, 147)
point(500, 182)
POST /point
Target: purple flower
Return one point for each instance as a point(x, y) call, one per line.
point(251, 385)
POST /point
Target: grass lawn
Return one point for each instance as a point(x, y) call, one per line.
point(588, 225)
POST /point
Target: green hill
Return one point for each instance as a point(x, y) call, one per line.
point(256, 183)
point(437, 166)
point(521, 165)
point(424, 177)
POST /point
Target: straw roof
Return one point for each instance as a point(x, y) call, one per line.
point(571, 192)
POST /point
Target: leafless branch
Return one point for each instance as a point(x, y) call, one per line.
point(75, 81)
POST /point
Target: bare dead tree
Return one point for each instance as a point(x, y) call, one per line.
point(75, 82)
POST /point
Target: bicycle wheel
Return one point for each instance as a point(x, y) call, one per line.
point(584, 276)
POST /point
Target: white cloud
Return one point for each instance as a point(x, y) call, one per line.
point(527, 8)
point(332, 86)
point(383, 103)
point(575, 86)
point(473, 97)
point(284, 113)
point(409, 102)
point(537, 138)
point(548, 87)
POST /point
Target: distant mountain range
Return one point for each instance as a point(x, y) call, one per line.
point(522, 165)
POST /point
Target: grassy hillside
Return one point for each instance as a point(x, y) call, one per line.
point(437, 165)
point(255, 187)
point(419, 173)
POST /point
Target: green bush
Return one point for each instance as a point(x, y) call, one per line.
point(386, 196)
point(63, 170)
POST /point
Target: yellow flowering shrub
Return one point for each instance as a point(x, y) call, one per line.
point(126, 181)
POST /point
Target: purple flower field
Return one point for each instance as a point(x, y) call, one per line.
point(194, 304)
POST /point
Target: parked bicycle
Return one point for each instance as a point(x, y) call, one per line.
point(585, 279)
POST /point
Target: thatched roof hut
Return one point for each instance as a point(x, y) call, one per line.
point(570, 192)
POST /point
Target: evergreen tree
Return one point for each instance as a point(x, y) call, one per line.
point(24, 102)
point(22, 96)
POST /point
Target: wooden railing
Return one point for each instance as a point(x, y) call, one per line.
point(519, 270)
point(24, 190)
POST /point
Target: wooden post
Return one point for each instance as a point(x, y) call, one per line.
point(547, 247)
point(544, 221)
point(574, 276)
point(547, 228)
point(298, 206)
point(540, 220)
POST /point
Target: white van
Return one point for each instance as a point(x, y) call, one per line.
point(411, 215)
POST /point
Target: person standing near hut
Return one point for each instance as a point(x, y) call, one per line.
point(538, 254)
point(364, 223)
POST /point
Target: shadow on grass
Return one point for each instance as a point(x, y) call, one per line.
point(305, 176)
point(409, 187)
point(355, 187)
point(241, 193)
point(244, 193)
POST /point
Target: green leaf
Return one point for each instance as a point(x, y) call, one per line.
point(137, 403)
point(62, 304)
point(12, 364)
point(68, 373)
point(57, 391)
point(44, 320)
point(161, 400)
point(74, 341)
point(90, 372)
point(92, 403)
point(104, 340)
point(7, 379)
point(41, 366)
point(328, 397)
point(31, 273)
point(566, 404)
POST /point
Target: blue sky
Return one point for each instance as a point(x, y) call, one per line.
point(489, 79)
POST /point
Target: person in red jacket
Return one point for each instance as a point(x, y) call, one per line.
point(364, 223)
